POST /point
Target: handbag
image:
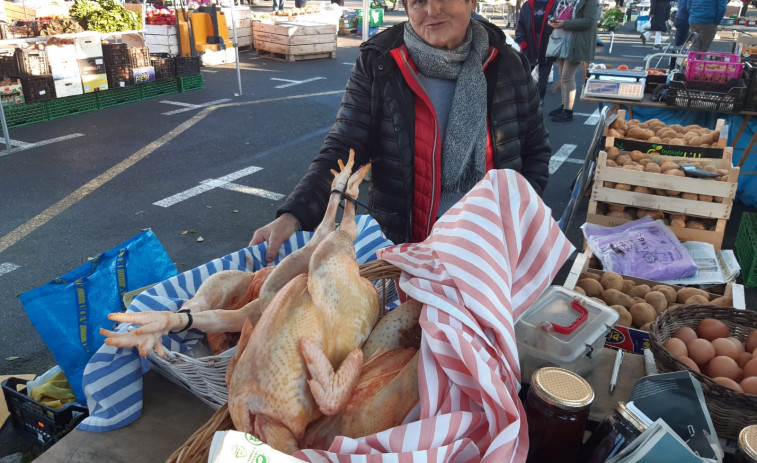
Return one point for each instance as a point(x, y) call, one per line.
point(559, 44)
point(69, 311)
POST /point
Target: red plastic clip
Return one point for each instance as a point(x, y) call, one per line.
point(583, 315)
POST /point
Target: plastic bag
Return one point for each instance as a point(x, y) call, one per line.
point(641, 248)
point(69, 311)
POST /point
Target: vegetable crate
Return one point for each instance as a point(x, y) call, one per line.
point(68, 106)
point(48, 424)
point(8, 65)
point(165, 67)
point(291, 41)
point(38, 88)
point(713, 67)
point(187, 65)
point(631, 338)
point(646, 193)
point(709, 96)
point(118, 96)
point(119, 76)
point(32, 62)
point(187, 83)
point(27, 113)
point(120, 54)
point(746, 242)
point(159, 88)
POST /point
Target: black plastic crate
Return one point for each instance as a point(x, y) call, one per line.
point(8, 65)
point(119, 54)
point(750, 77)
point(32, 62)
point(38, 88)
point(165, 67)
point(187, 65)
point(48, 424)
point(707, 96)
point(118, 76)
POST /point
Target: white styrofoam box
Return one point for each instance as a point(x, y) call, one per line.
point(63, 62)
point(68, 87)
point(88, 47)
point(160, 29)
point(155, 39)
point(172, 50)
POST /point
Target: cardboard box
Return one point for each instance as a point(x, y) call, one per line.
point(143, 75)
point(88, 47)
point(94, 82)
point(68, 87)
point(90, 66)
point(629, 338)
point(11, 92)
point(63, 62)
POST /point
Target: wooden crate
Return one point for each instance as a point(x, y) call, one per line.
point(633, 339)
point(295, 41)
point(244, 32)
point(720, 212)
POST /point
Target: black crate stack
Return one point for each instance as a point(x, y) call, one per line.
point(34, 70)
point(165, 66)
point(120, 61)
point(750, 77)
point(187, 65)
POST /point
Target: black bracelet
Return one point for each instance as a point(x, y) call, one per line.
point(189, 321)
point(349, 198)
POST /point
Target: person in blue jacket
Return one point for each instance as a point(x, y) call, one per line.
point(704, 17)
point(532, 34)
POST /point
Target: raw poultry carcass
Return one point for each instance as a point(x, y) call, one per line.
point(313, 323)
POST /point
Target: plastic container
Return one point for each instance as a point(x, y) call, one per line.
point(713, 67)
point(563, 328)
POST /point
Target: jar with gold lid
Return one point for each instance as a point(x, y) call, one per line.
point(616, 431)
point(747, 449)
point(557, 408)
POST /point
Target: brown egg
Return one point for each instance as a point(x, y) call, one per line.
point(724, 346)
point(676, 347)
point(689, 363)
point(739, 345)
point(685, 334)
point(751, 341)
point(701, 351)
point(711, 329)
point(729, 383)
point(723, 366)
point(743, 358)
point(749, 385)
point(750, 368)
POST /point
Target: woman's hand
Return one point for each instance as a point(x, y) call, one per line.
point(275, 233)
point(556, 23)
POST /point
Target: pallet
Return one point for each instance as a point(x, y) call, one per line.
point(720, 211)
point(292, 58)
point(295, 41)
point(348, 31)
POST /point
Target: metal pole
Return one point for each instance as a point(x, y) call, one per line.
point(5, 129)
point(236, 47)
point(366, 7)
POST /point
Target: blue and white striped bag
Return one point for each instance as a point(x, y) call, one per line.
point(113, 377)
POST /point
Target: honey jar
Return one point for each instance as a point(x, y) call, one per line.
point(747, 449)
point(557, 408)
point(616, 431)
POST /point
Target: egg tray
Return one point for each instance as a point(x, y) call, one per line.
point(730, 411)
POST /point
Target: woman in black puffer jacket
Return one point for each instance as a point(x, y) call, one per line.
point(389, 117)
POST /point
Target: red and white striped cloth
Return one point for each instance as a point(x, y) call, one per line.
point(486, 261)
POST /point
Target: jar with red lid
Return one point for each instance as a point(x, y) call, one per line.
point(557, 409)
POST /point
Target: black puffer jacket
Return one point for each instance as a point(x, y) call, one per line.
point(376, 119)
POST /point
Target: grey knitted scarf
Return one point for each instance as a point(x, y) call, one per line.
point(464, 146)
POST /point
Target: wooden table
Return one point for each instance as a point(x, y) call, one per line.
point(617, 103)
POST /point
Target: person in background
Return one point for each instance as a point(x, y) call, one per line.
point(511, 15)
point(532, 35)
point(659, 12)
point(681, 23)
point(278, 5)
point(582, 27)
point(704, 17)
point(433, 103)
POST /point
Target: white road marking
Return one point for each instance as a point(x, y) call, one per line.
point(349, 64)
point(593, 118)
point(177, 103)
point(251, 191)
point(295, 82)
point(7, 267)
point(575, 161)
point(560, 156)
point(21, 146)
point(582, 114)
point(208, 70)
point(221, 182)
point(197, 106)
point(635, 56)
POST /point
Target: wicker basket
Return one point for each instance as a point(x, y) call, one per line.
point(731, 411)
point(197, 447)
point(205, 376)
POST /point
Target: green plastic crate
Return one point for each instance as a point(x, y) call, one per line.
point(187, 83)
point(159, 88)
point(746, 241)
point(119, 96)
point(70, 105)
point(27, 113)
point(375, 18)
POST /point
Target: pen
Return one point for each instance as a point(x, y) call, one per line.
point(616, 369)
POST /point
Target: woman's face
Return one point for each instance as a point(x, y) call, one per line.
point(440, 23)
